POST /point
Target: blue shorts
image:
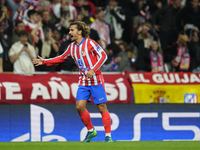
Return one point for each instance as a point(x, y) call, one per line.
point(97, 91)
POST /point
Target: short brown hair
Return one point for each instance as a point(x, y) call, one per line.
point(83, 27)
point(23, 33)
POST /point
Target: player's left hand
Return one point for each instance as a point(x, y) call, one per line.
point(90, 73)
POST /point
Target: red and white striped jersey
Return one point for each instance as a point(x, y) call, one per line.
point(22, 14)
point(87, 55)
point(30, 26)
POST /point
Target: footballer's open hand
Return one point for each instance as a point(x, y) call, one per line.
point(38, 62)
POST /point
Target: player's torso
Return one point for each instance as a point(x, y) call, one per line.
point(85, 58)
point(83, 55)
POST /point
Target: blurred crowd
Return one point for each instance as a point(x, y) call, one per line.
point(137, 35)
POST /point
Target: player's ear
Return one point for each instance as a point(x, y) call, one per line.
point(80, 32)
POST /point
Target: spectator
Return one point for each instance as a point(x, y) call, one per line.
point(46, 18)
point(182, 59)
point(46, 11)
point(115, 17)
point(4, 17)
point(123, 61)
point(142, 41)
point(124, 47)
point(32, 23)
point(189, 16)
point(93, 33)
point(144, 32)
point(79, 3)
point(64, 23)
point(6, 44)
point(164, 21)
point(21, 55)
point(194, 49)
point(57, 36)
point(44, 5)
point(86, 12)
point(19, 26)
point(156, 58)
point(101, 27)
point(1, 58)
point(4, 11)
point(111, 64)
point(71, 9)
point(47, 48)
point(58, 7)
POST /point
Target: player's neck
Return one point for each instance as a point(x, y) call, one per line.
point(78, 41)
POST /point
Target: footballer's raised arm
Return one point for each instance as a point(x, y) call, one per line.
point(58, 59)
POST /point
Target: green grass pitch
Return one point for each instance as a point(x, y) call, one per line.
point(136, 145)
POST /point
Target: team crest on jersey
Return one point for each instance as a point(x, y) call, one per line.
point(83, 53)
point(80, 63)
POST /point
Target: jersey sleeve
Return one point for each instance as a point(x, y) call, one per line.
point(58, 59)
point(101, 53)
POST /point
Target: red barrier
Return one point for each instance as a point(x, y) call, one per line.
point(57, 88)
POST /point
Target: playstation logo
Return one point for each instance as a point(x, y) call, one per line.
point(37, 115)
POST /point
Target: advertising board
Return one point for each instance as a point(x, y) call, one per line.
point(130, 122)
